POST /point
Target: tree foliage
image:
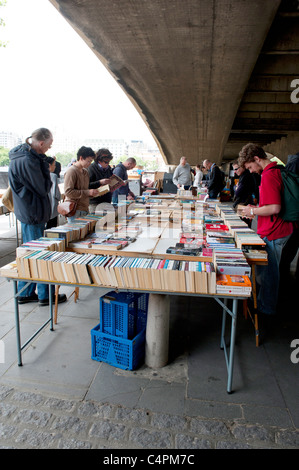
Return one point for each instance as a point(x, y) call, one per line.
point(64, 158)
point(4, 158)
point(150, 165)
point(2, 4)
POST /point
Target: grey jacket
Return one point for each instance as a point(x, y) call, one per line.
point(182, 175)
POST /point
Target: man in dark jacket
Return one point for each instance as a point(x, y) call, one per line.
point(99, 174)
point(121, 170)
point(245, 189)
point(30, 181)
point(215, 179)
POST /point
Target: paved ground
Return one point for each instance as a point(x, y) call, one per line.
point(61, 399)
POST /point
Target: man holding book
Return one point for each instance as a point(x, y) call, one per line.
point(29, 178)
point(270, 226)
point(99, 174)
point(121, 170)
point(244, 191)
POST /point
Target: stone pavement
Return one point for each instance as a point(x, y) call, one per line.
point(61, 399)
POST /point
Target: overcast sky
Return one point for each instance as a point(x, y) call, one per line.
point(49, 77)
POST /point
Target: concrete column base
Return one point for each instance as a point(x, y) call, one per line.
point(157, 331)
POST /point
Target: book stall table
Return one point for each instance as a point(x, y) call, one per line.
point(222, 300)
point(152, 262)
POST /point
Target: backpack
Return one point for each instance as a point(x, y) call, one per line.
point(290, 198)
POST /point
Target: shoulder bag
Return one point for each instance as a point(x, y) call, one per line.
point(7, 199)
point(67, 208)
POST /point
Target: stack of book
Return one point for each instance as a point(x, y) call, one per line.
point(255, 255)
point(186, 249)
point(191, 223)
point(241, 229)
point(218, 227)
point(231, 262)
point(42, 243)
point(213, 219)
point(249, 240)
point(193, 235)
point(109, 243)
point(68, 233)
point(76, 230)
point(234, 224)
point(220, 238)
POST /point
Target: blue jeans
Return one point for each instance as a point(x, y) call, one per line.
point(267, 277)
point(32, 232)
point(122, 197)
point(213, 194)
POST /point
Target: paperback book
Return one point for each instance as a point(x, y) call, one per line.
point(233, 284)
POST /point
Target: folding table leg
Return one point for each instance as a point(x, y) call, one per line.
point(56, 304)
point(17, 321)
point(232, 346)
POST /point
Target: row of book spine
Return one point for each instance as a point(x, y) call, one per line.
point(116, 271)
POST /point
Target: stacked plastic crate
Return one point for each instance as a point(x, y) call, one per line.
point(119, 338)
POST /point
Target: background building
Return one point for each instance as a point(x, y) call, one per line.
point(9, 139)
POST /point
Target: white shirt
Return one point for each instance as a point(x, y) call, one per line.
point(198, 178)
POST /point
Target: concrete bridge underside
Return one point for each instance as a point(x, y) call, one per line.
point(207, 76)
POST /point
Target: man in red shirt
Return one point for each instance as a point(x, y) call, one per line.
point(270, 226)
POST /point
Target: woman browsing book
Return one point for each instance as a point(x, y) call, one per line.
point(76, 182)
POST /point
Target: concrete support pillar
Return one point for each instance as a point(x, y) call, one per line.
point(157, 331)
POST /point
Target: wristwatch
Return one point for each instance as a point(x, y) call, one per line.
point(251, 211)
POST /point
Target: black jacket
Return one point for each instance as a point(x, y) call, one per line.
point(215, 182)
point(121, 171)
point(245, 190)
point(30, 181)
point(97, 173)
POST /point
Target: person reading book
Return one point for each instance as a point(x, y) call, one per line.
point(244, 190)
point(76, 182)
point(29, 178)
point(99, 173)
point(121, 170)
point(270, 226)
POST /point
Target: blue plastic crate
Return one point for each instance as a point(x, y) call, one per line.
point(123, 353)
point(123, 314)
